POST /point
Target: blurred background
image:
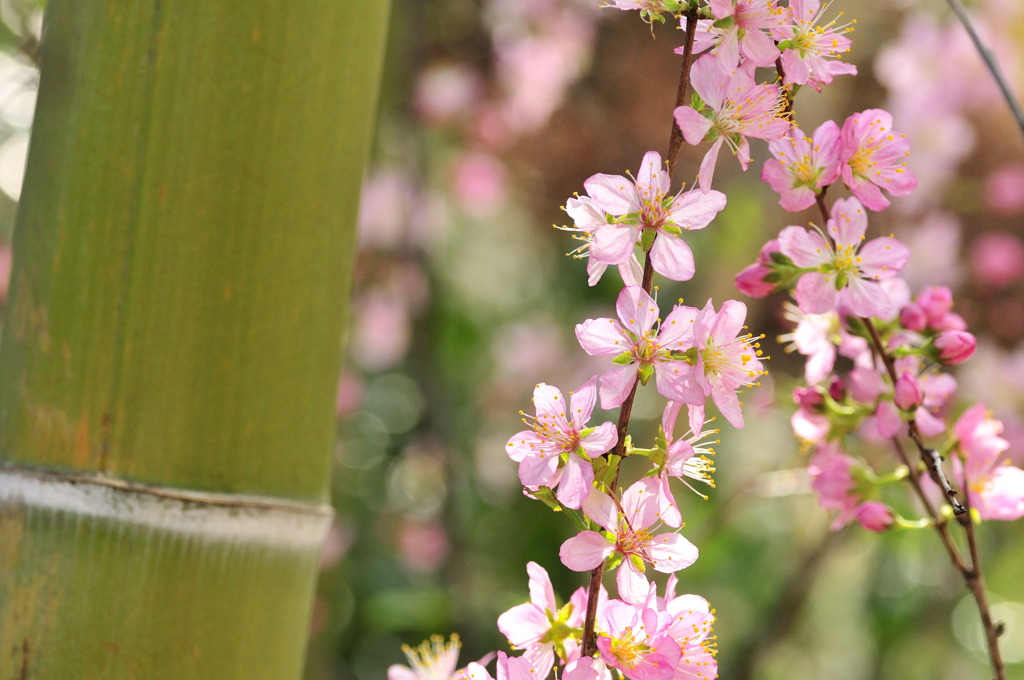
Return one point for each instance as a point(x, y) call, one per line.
point(493, 113)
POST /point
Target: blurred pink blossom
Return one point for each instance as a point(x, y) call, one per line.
point(382, 330)
point(446, 93)
point(1004, 189)
point(422, 545)
point(997, 259)
point(479, 183)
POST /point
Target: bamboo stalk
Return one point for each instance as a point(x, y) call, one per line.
point(183, 255)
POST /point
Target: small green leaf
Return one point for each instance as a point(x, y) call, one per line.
point(624, 359)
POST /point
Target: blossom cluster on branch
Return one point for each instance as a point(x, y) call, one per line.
point(849, 303)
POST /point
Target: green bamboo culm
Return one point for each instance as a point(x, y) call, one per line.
point(183, 256)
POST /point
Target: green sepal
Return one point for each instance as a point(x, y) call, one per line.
point(696, 103)
point(646, 453)
point(778, 257)
point(645, 372)
point(637, 562)
point(605, 475)
point(726, 22)
point(547, 497)
point(614, 560)
point(647, 239)
point(672, 229)
point(841, 280)
point(577, 519)
point(624, 359)
point(785, 45)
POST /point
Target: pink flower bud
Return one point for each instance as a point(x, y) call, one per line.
point(808, 398)
point(952, 322)
point(751, 281)
point(913, 318)
point(907, 393)
point(874, 516)
point(837, 389)
point(955, 347)
point(936, 301)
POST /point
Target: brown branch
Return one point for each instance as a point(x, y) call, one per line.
point(676, 138)
point(647, 283)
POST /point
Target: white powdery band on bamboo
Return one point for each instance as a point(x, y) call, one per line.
point(245, 519)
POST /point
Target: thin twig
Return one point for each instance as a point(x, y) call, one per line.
point(589, 647)
point(676, 138)
point(990, 62)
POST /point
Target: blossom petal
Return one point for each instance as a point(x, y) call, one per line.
point(613, 194)
point(542, 593)
point(672, 258)
point(616, 384)
point(581, 403)
point(600, 337)
point(576, 483)
point(670, 552)
point(524, 625)
point(613, 243)
point(585, 551)
point(637, 310)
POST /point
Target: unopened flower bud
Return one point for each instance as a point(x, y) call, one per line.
point(936, 301)
point(955, 347)
point(837, 389)
point(751, 281)
point(952, 322)
point(808, 398)
point(874, 516)
point(907, 393)
point(913, 318)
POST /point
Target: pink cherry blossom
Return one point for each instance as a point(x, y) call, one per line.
point(728, 360)
point(737, 108)
point(753, 280)
point(874, 516)
point(554, 438)
point(690, 626)
point(539, 626)
point(508, 668)
point(637, 348)
point(955, 347)
point(803, 166)
point(874, 158)
point(739, 28)
point(907, 393)
point(994, 486)
point(587, 220)
point(434, 659)
point(634, 640)
point(810, 52)
point(644, 205)
point(628, 534)
point(688, 456)
point(850, 271)
point(832, 479)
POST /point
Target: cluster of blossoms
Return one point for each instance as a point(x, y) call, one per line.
point(849, 302)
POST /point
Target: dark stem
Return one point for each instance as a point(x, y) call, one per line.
point(938, 522)
point(676, 138)
point(990, 62)
point(975, 580)
point(589, 643)
point(647, 282)
point(622, 427)
point(931, 457)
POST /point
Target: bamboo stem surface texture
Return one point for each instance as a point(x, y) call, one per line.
point(183, 259)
